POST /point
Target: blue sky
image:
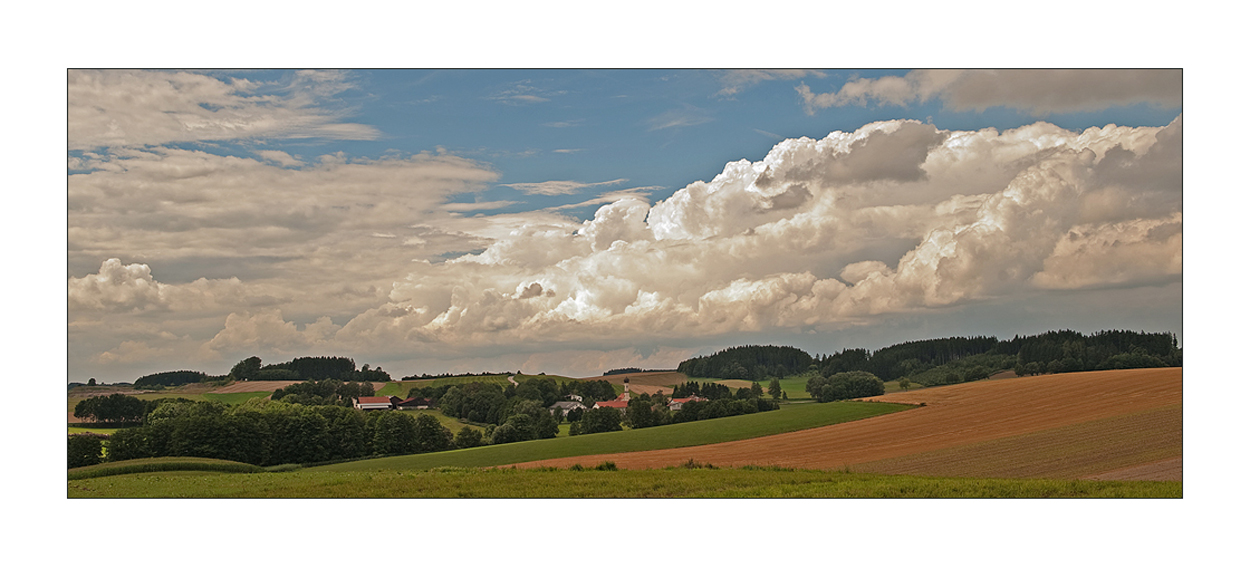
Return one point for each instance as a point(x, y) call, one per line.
point(572, 221)
point(657, 129)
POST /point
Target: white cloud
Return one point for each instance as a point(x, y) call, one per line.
point(558, 187)
point(478, 206)
point(784, 242)
point(119, 288)
point(110, 108)
point(1039, 91)
point(610, 197)
point(524, 93)
point(279, 157)
point(267, 331)
point(116, 286)
point(688, 115)
point(738, 79)
point(894, 217)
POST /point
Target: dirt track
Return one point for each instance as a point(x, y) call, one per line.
point(953, 416)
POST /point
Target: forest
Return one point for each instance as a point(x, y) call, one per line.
point(952, 359)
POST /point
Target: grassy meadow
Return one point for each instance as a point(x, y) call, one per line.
point(788, 419)
point(509, 483)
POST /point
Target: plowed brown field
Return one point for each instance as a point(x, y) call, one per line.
point(955, 416)
point(650, 383)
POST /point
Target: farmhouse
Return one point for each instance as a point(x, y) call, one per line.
point(676, 403)
point(373, 403)
point(566, 406)
point(413, 404)
point(620, 405)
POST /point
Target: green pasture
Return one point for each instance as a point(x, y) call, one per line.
point(453, 424)
point(396, 388)
point(401, 388)
point(92, 430)
point(788, 419)
point(228, 398)
point(166, 464)
point(795, 386)
point(510, 483)
point(234, 398)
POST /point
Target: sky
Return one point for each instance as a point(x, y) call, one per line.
point(574, 221)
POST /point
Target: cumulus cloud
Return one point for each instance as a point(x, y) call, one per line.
point(279, 157)
point(109, 108)
point(118, 287)
point(323, 239)
point(267, 331)
point(1039, 91)
point(173, 203)
point(788, 241)
point(895, 217)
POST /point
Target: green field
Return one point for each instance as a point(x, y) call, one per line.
point(167, 464)
point(92, 430)
point(788, 419)
point(236, 397)
point(511, 483)
point(450, 423)
point(795, 386)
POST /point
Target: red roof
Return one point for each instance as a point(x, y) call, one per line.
point(612, 404)
point(374, 400)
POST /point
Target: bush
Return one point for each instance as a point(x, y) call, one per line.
point(84, 450)
point(841, 386)
point(598, 420)
point(468, 438)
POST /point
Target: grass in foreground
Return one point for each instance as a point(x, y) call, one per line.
point(149, 465)
point(553, 483)
point(788, 419)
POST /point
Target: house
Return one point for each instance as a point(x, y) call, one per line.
point(620, 405)
point(676, 403)
point(576, 397)
point(373, 403)
point(414, 404)
point(566, 406)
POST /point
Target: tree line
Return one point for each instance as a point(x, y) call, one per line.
point(325, 392)
point(748, 362)
point(952, 359)
point(265, 432)
point(628, 370)
point(307, 369)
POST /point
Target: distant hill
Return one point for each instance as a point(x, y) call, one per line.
point(952, 359)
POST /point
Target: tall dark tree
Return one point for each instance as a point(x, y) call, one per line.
point(84, 450)
point(774, 388)
point(432, 436)
point(246, 369)
point(598, 420)
point(468, 438)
